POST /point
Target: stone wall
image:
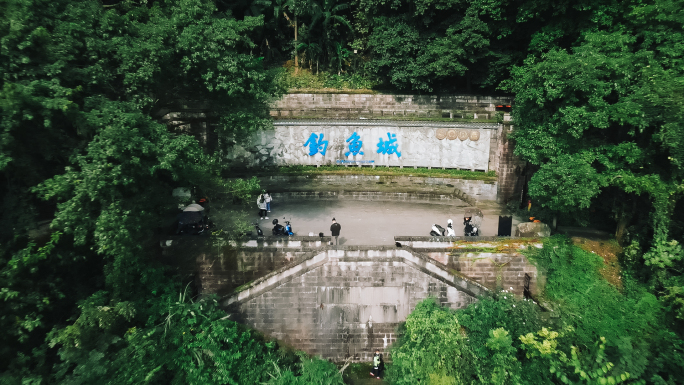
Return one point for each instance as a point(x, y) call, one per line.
point(344, 186)
point(222, 271)
point(509, 168)
point(220, 268)
point(346, 106)
point(223, 274)
point(495, 270)
point(380, 143)
point(507, 270)
point(346, 303)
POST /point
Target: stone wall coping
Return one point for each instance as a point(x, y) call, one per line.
point(464, 251)
point(281, 242)
point(439, 240)
point(301, 238)
point(383, 253)
point(384, 123)
point(423, 178)
point(451, 199)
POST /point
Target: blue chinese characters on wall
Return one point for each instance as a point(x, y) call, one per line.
point(316, 144)
point(355, 144)
point(389, 146)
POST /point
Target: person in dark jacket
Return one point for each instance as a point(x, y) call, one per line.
point(335, 230)
point(378, 365)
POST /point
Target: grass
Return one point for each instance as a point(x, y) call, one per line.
point(383, 171)
point(324, 81)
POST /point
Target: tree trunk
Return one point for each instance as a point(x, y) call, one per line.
point(624, 218)
point(621, 229)
point(296, 55)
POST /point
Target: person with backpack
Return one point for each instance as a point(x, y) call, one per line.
point(261, 203)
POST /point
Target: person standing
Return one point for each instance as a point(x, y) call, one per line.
point(261, 203)
point(267, 196)
point(450, 229)
point(378, 365)
point(335, 230)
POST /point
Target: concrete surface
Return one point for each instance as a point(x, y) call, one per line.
point(373, 223)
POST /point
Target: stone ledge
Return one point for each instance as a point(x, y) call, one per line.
point(386, 123)
point(441, 242)
point(378, 196)
point(282, 242)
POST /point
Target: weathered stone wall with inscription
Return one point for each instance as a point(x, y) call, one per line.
point(380, 143)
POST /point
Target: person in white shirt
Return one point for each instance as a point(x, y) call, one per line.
point(450, 229)
point(261, 203)
point(267, 197)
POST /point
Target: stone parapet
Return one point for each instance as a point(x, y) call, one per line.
point(465, 255)
point(282, 242)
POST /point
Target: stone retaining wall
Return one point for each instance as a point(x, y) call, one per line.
point(346, 303)
point(445, 199)
point(345, 106)
point(509, 168)
point(504, 271)
point(469, 191)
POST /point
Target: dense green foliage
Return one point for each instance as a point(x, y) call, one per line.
point(421, 45)
point(85, 300)
point(600, 120)
point(593, 333)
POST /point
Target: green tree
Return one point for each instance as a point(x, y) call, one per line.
point(326, 21)
point(82, 88)
point(579, 368)
point(586, 117)
point(432, 349)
